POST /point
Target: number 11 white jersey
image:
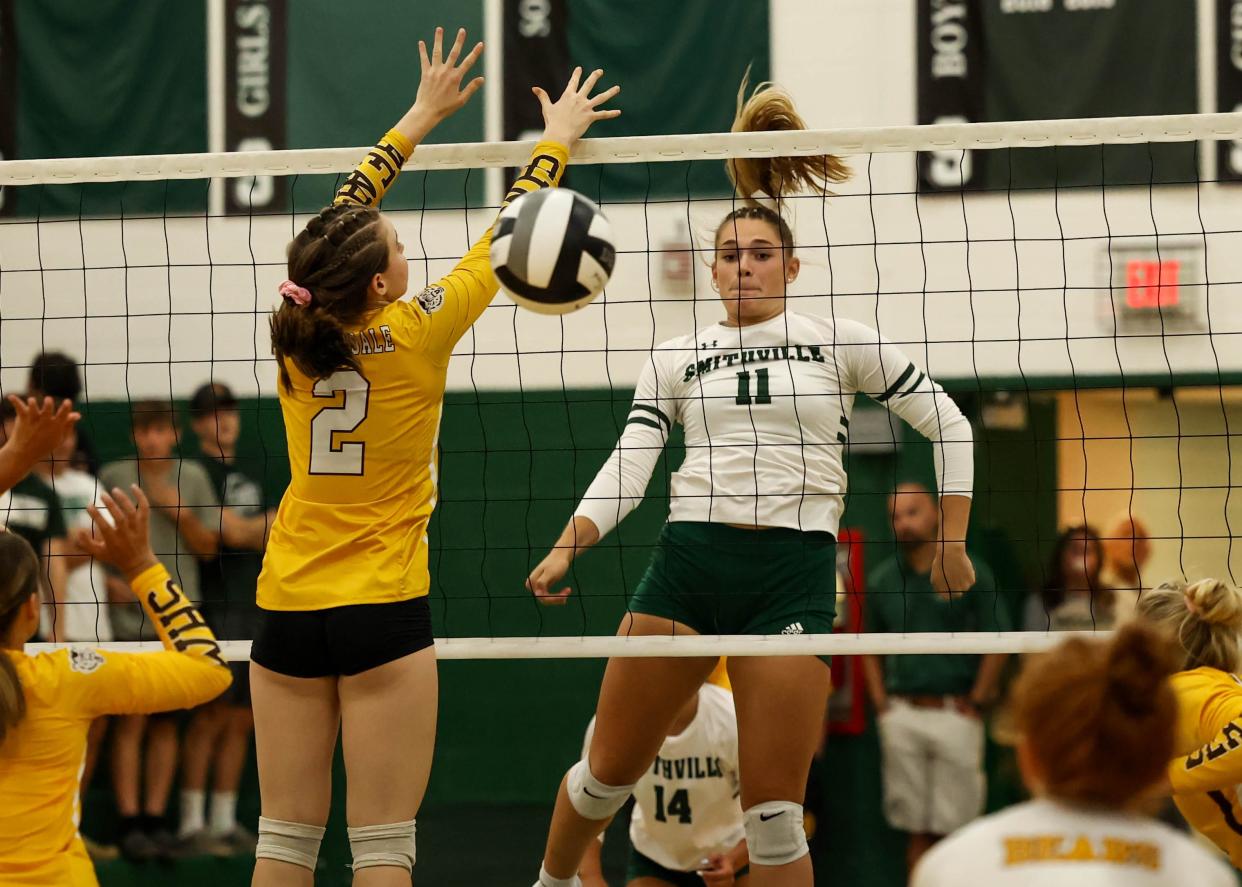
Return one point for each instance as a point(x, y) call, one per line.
point(766, 411)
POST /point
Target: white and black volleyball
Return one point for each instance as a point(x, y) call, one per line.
point(552, 250)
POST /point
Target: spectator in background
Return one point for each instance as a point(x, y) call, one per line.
point(929, 708)
point(82, 614)
point(219, 735)
point(184, 518)
point(1075, 597)
point(31, 510)
point(1127, 549)
point(55, 375)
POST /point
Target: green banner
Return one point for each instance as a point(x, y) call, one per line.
point(1092, 58)
point(1000, 60)
point(353, 71)
point(679, 66)
point(106, 78)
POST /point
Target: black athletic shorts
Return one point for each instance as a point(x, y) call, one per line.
point(341, 640)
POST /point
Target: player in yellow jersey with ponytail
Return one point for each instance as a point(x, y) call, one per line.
point(345, 642)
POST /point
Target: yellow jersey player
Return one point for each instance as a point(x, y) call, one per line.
point(345, 636)
point(1206, 775)
point(1097, 723)
point(47, 702)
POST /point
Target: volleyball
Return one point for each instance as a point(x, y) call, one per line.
point(552, 250)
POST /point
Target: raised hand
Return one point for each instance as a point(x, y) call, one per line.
point(440, 93)
point(568, 118)
point(122, 536)
point(40, 428)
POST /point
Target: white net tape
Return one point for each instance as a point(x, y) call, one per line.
point(1045, 331)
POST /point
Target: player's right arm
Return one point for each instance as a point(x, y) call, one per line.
point(457, 300)
point(188, 672)
point(619, 485)
point(439, 96)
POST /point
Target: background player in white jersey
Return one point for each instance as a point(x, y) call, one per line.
point(765, 398)
point(1097, 724)
point(686, 827)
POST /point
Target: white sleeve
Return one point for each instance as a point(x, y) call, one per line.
point(619, 486)
point(882, 371)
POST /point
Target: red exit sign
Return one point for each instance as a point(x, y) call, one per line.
point(1152, 284)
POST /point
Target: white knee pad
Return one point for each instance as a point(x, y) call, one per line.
point(293, 842)
point(389, 844)
point(590, 797)
point(774, 833)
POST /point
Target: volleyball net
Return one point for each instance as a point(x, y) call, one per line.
point(1081, 304)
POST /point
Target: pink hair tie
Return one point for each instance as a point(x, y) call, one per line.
point(298, 295)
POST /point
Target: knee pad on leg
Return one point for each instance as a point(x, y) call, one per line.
point(293, 842)
point(389, 844)
point(774, 833)
point(590, 797)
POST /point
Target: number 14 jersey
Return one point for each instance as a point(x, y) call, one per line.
point(687, 805)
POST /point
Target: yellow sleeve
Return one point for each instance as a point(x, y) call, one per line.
point(189, 672)
point(1217, 765)
point(457, 300)
point(368, 183)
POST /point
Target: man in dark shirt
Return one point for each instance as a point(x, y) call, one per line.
point(928, 707)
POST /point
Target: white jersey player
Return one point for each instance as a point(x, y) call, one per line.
point(765, 398)
point(1097, 723)
point(687, 816)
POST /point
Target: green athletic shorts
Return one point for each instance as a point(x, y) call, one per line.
point(719, 579)
point(645, 867)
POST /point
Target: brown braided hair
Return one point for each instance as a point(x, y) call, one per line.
point(19, 579)
point(335, 257)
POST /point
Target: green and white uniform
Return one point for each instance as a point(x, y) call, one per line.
point(687, 805)
point(766, 411)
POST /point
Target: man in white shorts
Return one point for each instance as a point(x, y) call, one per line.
point(928, 707)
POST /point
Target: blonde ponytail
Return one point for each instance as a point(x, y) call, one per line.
point(1204, 616)
point(770, 109)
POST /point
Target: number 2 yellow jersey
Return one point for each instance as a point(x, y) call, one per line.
point(352, 527)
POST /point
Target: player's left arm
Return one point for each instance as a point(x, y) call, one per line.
point(455, 302)
point(882, 371)
point(439, 96)
point(991, 617)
